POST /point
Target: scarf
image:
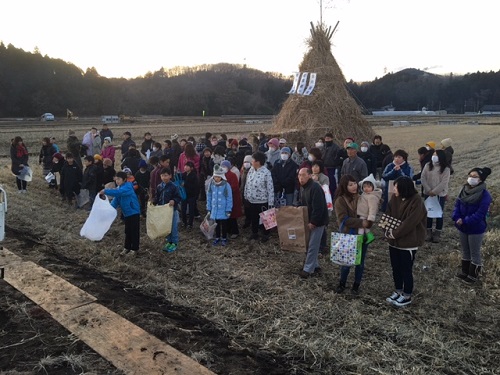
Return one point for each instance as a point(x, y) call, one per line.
point(471, 194)
point(21, 151)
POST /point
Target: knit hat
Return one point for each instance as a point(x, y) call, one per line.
point(58, 156)
point(207, 149)
point(365, 143)
point(431, 144)
point(107, 139)
point(353, 145)
point(218, 172)
point(482, 172)
point(226, 163)
point(247, 159)
point(286, 150)
point(97, 157)
point(446, 142)
point(274, 142)
point(127, 170)
point(282, 141)
point(143, 164)
point(107, 162)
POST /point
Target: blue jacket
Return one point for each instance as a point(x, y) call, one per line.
point(167, 192)
point(219, 200)
point(472, 215)
point(391, 174)
point(125, 197)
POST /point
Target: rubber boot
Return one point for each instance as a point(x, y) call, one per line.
point(436, 235)
point(428, 237)
point(464, 273)
point(474, 272)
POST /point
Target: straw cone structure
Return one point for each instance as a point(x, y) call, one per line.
point(330, 107)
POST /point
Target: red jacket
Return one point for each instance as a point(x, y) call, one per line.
point(232, 179)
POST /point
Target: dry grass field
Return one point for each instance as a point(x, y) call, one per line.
point(243, 309)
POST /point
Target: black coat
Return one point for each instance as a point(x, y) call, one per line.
point(89, 179)
point(191, 184)
point(71, 177)
point(370, 161)
point(329, 155)
point(284, 176)
point(18, 160)
point(339, 159)
point(313, 197)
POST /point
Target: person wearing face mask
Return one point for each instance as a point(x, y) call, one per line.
point(244, 149)
point(378, 157)
point(435, 180)
point(157, 151)
point(284, 176)
point(300, 153)
point(273, 154)
point(147, 144)
point(320, 143)
point(431, 145)
point(399, 167)
point(354, 165)
point(329, 153)
point(313, 155)
point(365, 154)
point(247, 164)
point(470, 212)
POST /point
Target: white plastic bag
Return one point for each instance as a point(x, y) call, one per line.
point(207, 227)
point(99, 221)
point(26, 174)
point(50, 176)
point(83, 198)
point(433, 207)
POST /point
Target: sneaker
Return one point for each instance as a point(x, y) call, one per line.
point(234, 236)
point(402, 301)
point(223, 242)
point(124, 252)
point(369, 238)
point(216, 242)
point(172, 248)
point(393, 297)
point(167, 246)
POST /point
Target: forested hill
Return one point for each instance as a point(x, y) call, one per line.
point(32, 84)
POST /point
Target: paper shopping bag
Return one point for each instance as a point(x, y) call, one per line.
point(292, 228)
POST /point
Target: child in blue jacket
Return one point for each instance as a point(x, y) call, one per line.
point(219, 204)
point(124, 196)
point(168, 193)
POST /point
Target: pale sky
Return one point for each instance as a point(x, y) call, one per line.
point(124, 38)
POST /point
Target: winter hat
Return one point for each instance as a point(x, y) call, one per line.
point(226, 163)
point(143, 164)
point(127, 170)
point(365, 143)
point(247, 159)
point(371, 179)
point(97, 157)
point(446, 142)
point(482, 172)
point(58, 156)
point(353, 145)
point(431, 144)
point(107, 139)
point(282, 141)
point(274, 142)
point(107, 162)
point(218, 172)
point(207, 149)
point(286, 150)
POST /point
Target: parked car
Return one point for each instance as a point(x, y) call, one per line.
point(47, 117)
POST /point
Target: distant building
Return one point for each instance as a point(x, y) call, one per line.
point(490, 109)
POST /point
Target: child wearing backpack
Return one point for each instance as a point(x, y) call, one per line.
point(219, 204)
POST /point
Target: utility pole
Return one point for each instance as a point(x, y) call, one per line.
point(321, 12)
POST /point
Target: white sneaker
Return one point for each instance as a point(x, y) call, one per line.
point(402, 301)
point(393, 297)
point(125, 252)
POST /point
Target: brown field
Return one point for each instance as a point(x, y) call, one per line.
point(243, 309)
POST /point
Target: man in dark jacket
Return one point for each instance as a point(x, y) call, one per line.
point(314, 198)
point(127, 141)
point(89, 179)
point(329, 154)
point(284, 174)
point(376, 151)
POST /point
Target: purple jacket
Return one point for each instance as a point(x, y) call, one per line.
point(472, 215)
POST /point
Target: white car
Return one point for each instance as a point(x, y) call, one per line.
point(47, 117)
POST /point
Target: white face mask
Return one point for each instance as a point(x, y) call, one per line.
point(284, 157)
point(364, 149)
point(155, 148)
point(435, 159)
point(246, 165)
point(473, 181)
point(310, 158)
point(427, 147)
point(319, 144)
point(296, 149)
point(271, 148)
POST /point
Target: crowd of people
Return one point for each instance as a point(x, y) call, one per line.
point(236, 178)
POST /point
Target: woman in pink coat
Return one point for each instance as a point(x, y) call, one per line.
point(108, 150)
point(189, 154)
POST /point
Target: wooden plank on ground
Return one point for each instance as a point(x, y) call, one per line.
point(125, 345)
point(7, 257)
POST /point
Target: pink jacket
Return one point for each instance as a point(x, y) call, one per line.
point(108, 152)
point(183, 159)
